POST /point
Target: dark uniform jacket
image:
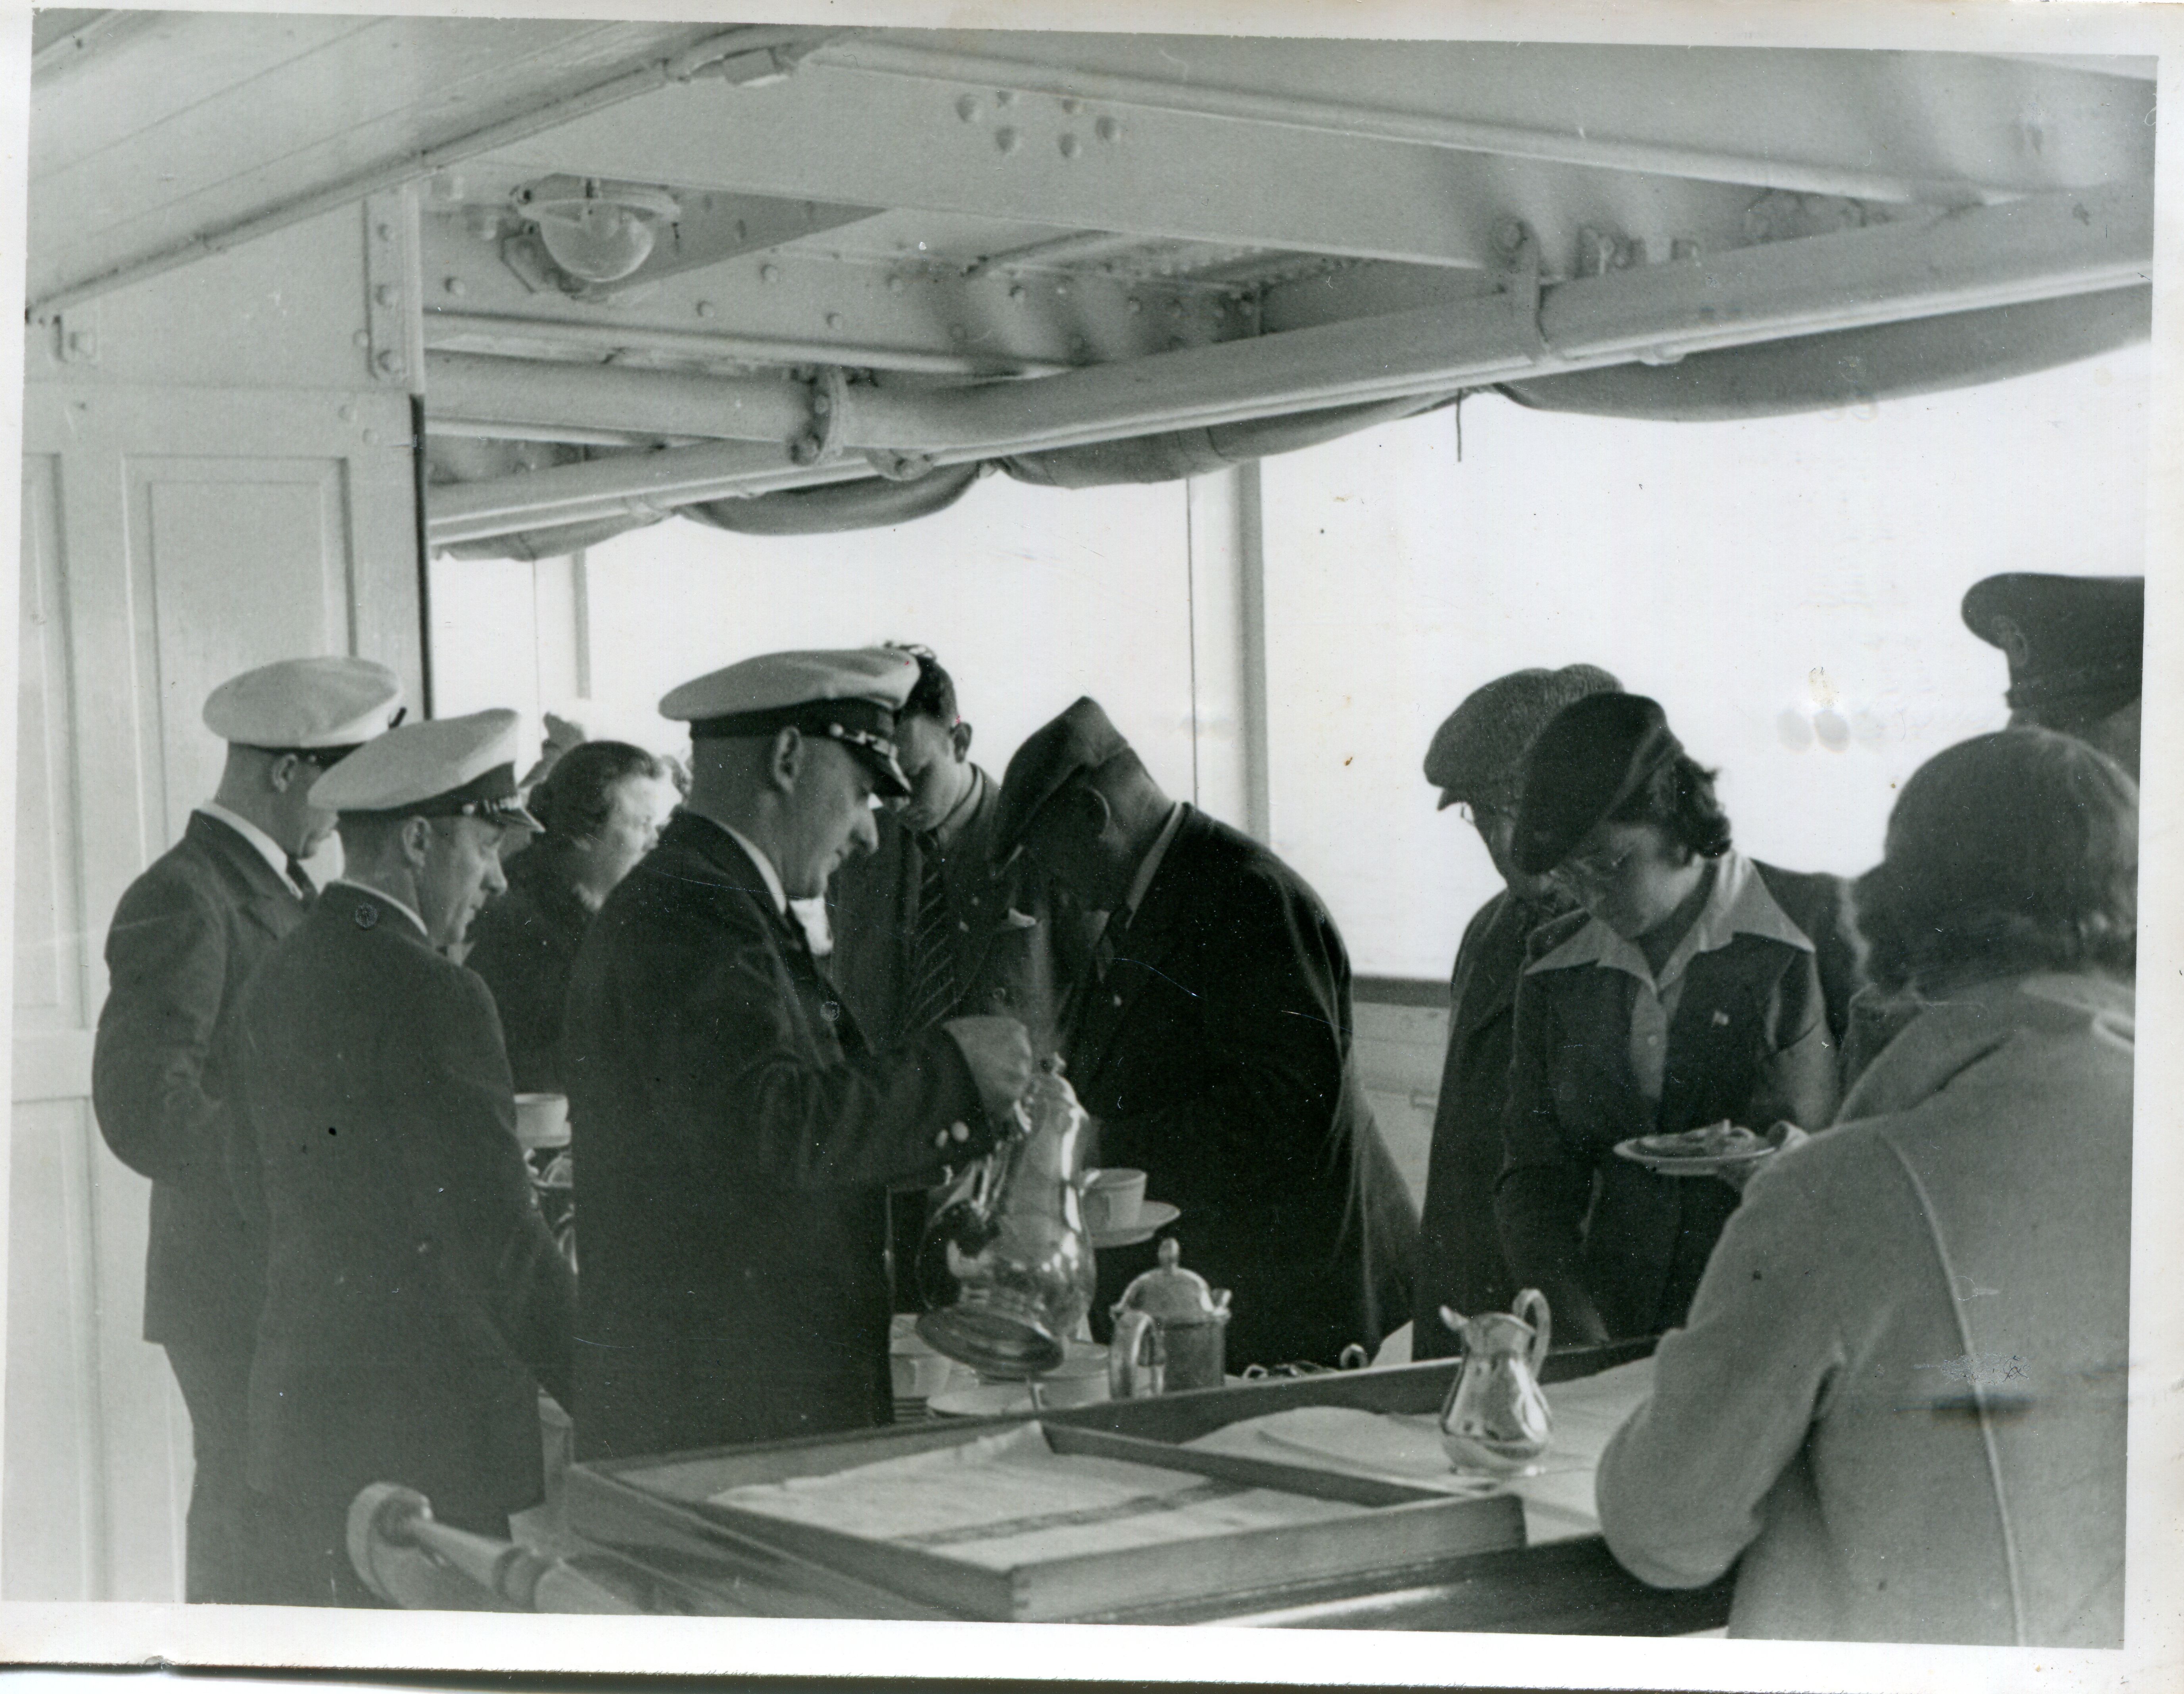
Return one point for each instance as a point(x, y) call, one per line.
point(1216, 1054)
point(1460, 1263)
point(524, 945)
point(1002, 929)
point(415, 1303)
point(185, 938)
point(1756, 1036)
point(739, 1137)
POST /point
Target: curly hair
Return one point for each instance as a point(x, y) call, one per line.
point(1680, 800)
point(2012, 852)
point(576, 797)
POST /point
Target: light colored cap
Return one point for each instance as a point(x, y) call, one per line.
point(449, 768)
point(850, 696)
point(306, 705)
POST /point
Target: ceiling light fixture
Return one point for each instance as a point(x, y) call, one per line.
point(601, 232)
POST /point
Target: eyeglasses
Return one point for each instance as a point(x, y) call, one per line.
point(1591, 870)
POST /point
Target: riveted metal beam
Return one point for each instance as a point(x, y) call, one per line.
point(2045, 249)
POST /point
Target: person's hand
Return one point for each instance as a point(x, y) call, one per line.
point(1780, 1135)
point(998, 1050)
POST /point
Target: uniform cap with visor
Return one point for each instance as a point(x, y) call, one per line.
point(2076, 644)
point(448, 767)
point(1079, 742)
point(850, 696)
point(320, 708)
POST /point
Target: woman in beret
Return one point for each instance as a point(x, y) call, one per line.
point(1696, 984)
point(1900, 1397)
point(603, 804)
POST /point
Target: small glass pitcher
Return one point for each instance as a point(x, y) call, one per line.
point(1496, 1417)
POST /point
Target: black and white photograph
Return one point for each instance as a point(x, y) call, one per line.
point(1322, 822)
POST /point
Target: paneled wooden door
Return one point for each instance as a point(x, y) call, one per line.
point(170, 538)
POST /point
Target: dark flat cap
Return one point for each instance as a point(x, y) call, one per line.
point(1082, 739)
point(1593, 756)
point(2076, 644)
point(1478, 753)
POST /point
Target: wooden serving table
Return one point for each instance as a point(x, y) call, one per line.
point(690, 1533)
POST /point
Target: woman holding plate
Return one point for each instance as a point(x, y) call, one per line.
point(1694, 985)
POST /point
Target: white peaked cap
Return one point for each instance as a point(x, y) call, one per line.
point(448, 767)
point(305, 704)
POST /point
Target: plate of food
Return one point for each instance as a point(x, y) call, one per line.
point(1698, 1152)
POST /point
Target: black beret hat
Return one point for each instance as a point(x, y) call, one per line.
point(2075, 644)
point(1593, 756)
point(1082, 739)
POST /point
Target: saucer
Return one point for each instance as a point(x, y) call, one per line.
point(1155, 1215)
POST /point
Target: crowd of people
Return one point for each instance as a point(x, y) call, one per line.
point(788, 989)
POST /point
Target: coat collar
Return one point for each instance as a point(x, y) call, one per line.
point(1948, 1035)
point(1741, 904)
point(242, 858)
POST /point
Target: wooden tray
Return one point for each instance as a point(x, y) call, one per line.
point(666, 1504)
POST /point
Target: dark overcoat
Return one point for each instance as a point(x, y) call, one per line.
point(738, 1137)
point(1217, 1054)
point(185, 938)
point(1756, 1036)
point(1460, 1263)
point(524, 945)
point(415, 1303)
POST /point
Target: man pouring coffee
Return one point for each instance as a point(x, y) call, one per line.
point(739, 1133)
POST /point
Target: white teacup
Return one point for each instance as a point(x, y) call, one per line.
point(1113, 1200)
point(542, 1120)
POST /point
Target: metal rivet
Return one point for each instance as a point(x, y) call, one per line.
point(806, 450)
point(833, 320)
point(1015, 291)
point(372, 437)
point(1062, 287)
point(390, 361)
point(769, 273)
point(1069, 145)
point(1509, 234)
point(820, 405)
point(1108, 128)
point(967, 109)
point(1135, 306)
point(1005, 139)
point(1004, 96)
point(705, 309)
point(384, 294)
point(1072, 104)
point(455, 285)
point(347, 415)
point(386, 232)
point(362, 338)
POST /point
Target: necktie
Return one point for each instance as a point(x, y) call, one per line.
point(933, 991)
point(306, 889)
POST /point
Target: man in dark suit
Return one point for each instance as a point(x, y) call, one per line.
point(185, 937)
point(1211, 1036)
point(738, 1134)
point(928, 926)
point(2076, 651)
point(415, 1304)
point(1476, 760)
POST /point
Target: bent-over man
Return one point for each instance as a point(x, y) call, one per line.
point(1211, 1036)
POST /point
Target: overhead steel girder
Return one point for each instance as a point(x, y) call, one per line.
point(1991, 256)
point(1153, 173)
point(1944, 128)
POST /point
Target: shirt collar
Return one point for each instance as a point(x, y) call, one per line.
point(384, 899)
point(1740, 904)
point(1149, 867)
point(269, 850)
point(772, 877)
